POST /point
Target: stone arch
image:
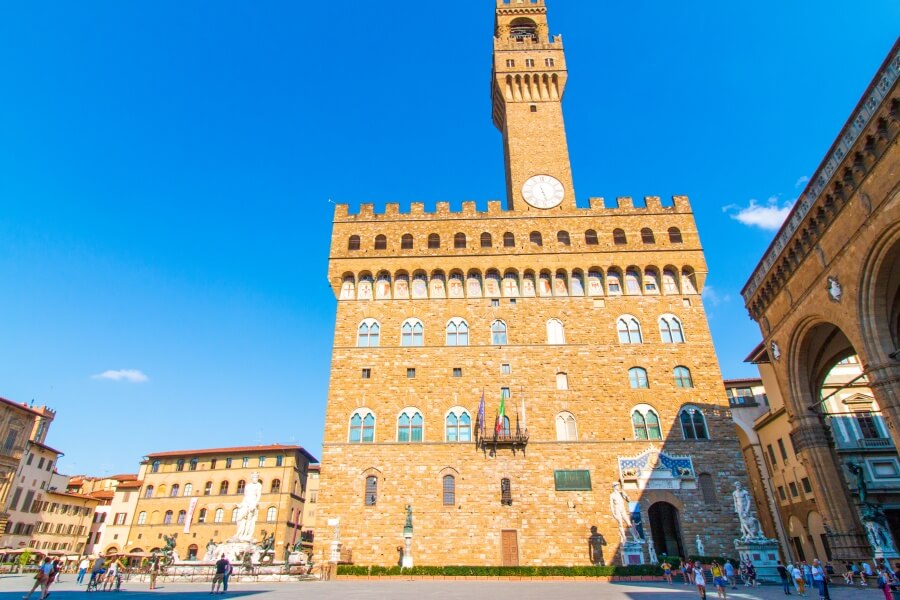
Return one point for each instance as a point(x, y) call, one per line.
point(815, 528)
point(817, 345)
point(879, 297)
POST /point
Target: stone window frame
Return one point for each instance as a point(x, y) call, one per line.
point(367, 335)
point(353, 243)
point(454, 330)
point(448, 489)
point(460, 241)
point(370, 491)
point(363, 413)
point(628, 320)
point(381, 242)
point(683, 376)
point(556, 332)
point(643, 411)
point(692, 434)
point(272, 514)
point(669, 326)
point(410, 412)
point(567, 425)
point(495, 341)
point(590, 238)
point(675, 236)
point(638, 378)
point(458, 412)
point(562, 381)
point(412, 323)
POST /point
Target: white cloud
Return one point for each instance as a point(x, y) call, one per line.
point(765, 216)
point(712, 297)
point(802, 181)
point(129, 375)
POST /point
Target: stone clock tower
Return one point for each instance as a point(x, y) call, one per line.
point(529, 79)
point(499, 370)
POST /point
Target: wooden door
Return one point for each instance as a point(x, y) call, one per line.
point(509, 548)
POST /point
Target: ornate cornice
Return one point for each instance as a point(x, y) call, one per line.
point(830, 186)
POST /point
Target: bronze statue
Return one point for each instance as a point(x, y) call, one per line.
point(861, 486)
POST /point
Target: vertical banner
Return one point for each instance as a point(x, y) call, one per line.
point(190, 515)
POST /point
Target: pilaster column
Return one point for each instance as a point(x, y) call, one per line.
point(845, 534)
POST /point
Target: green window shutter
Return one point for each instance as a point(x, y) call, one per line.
point(572, 481)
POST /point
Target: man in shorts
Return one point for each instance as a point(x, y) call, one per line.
point(219, 578)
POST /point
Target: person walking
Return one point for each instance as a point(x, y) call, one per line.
point(109, 582)
point(82, 569)
point(718, 576)
point(884, 582)
point(41, 577)
point(55, 570)
point(820, 579)
point(154, 571)
point(729, 574)
point(807, 574)
point(699, 579)
point(685, 567)
point(667, 571)
point(751, 574)
point(785, 580)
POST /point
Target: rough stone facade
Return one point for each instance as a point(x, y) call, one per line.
point(569, 275)
point(828, 288)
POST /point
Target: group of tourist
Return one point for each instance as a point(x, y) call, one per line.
point(797, 577)
point(723, 576)
point(803, 575)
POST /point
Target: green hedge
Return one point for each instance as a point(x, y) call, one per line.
point(631, 571)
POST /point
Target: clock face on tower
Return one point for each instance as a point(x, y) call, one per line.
point(543, 191)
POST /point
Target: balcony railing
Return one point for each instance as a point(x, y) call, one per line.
point(493, 441)
point(875, 443)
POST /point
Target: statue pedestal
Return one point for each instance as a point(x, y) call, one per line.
point(232, 550)
point(633, 553)
point(407, 562)
point(335, 552)
point(763, 553)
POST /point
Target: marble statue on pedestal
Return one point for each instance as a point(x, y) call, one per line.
point(618, 505)
point(700, 549)
point(248, 510)
point(743, 506)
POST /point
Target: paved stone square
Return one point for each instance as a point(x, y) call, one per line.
point(13, 587)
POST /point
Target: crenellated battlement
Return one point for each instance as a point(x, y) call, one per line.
point(623, 205)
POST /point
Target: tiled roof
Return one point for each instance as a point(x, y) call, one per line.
point(45, 447)
point(21, 406)
point(127, 485)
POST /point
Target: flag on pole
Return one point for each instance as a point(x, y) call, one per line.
point(501, 414)
point(481, 413)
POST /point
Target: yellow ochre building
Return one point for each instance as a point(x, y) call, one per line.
point(585, 324)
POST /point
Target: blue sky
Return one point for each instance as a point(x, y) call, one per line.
point(165, 170)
